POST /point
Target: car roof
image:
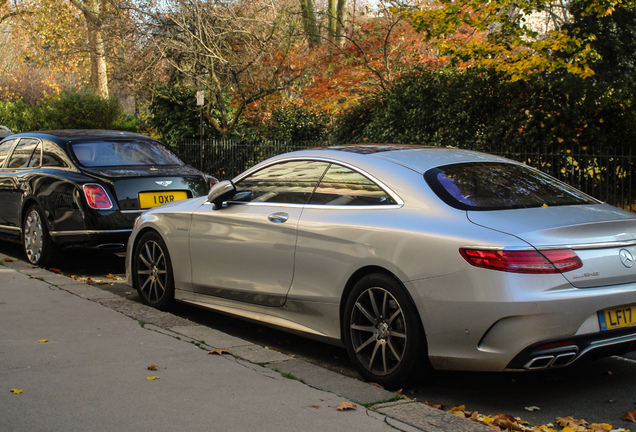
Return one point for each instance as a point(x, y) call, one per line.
point(416, 157)
point(83, 134)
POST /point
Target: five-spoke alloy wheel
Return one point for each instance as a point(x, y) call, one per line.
point(382, 332)
point(153, 271)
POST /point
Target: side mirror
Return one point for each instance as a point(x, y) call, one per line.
point(221, 192)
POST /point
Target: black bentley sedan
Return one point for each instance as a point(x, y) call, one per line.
point(84, 188)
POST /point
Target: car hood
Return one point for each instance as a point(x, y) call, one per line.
point(598, 234)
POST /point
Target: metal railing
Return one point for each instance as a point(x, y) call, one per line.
point(606, 173)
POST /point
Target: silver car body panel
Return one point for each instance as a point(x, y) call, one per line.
point(296, 274)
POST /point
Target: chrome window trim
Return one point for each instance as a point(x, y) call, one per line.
point(385, 188)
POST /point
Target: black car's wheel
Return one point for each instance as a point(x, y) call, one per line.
point(38, 246)
point(153, 271)
point(383, 333)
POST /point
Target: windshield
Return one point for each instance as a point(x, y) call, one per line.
point(124, 153)
point(498, 186)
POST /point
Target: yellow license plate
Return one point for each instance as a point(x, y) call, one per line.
point(610, 319)
point(153, 199)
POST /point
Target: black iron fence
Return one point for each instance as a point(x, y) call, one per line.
point(606, 173)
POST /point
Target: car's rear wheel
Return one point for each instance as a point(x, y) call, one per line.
point(38, 246)
point(383, 333)
point(153, 271)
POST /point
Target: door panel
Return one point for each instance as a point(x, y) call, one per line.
point(244, 252)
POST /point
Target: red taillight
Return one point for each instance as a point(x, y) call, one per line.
point(546, 261)
point(97, 197)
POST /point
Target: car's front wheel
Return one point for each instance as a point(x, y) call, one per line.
point(383, 334)
point(38, 246)
point(153, 271)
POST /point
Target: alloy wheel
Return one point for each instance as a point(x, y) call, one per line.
point(152, 271)
point(378, 331)
point(33, 236)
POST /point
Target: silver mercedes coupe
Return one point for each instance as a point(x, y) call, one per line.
point(414, 258)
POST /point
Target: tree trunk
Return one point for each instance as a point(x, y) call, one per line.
point(336, 10)
point(309, 23)
point(91, 9)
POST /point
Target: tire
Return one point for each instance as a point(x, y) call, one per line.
point(152, 271)
point(36, 240)
point(383, 333)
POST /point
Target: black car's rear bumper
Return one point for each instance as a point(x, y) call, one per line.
point(114, 240)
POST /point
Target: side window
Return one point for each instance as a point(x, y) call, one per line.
point(22, 153)
point(287, 182)
point(36, 159)
point(343, 186)
point(54, 157)
point(5, 147)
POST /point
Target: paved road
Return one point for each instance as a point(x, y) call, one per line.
point(601, 391)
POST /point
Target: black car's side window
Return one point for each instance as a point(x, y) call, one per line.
point(344, 186)
point(22, 153)
point(290, 182)
point(36, 158)
point(54, 157)
point(5, 147)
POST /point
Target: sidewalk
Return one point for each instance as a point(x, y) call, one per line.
point(80, 356)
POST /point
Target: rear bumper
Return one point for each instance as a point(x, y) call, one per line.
point(562, 352)
point(114, 240)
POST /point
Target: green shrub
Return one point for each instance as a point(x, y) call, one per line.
point(67, 111)
point(478, 107)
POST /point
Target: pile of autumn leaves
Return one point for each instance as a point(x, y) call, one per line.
point(505, 422)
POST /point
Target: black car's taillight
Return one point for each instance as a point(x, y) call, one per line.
point(97, 197)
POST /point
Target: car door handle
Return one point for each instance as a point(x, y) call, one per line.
point(278, 217)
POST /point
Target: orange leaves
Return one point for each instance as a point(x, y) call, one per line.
point(508, 423)
point(346, 406)
point(219, 351)
point(630, 416)
point(8, 260)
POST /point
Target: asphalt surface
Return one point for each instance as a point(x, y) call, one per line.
point(76, 357)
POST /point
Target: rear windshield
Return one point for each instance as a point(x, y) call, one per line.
point(498, 186)
point(124, 153)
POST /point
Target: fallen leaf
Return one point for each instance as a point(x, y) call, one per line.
point(343, 406)
point(43, 340)
point(16, 391)
point(507, 424)
point(599, 427)
point(90, 281)
point(111, 276)
point(33, 266)
point(314, 406)
point(8, 260)
point(376, 385)
point(219, 351)
point(54, 270)
point(153, 377)
point(532, 408)
point(630, 416)
point(152, 367)
point(436, 406)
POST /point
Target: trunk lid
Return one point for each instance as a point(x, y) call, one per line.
point(603, 237)
point(151, 186)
